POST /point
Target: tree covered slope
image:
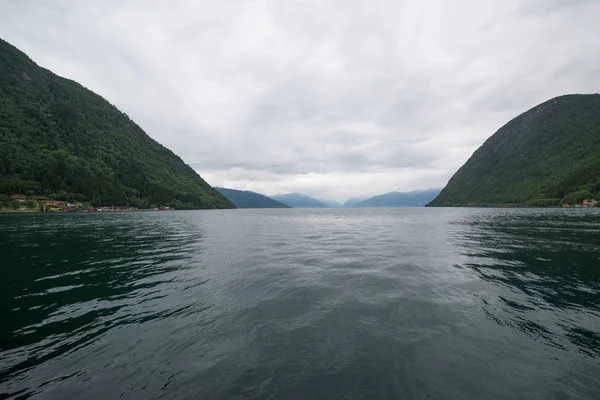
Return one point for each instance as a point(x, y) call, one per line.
point(297, 200)
point(418, 198)
point(249, 199)
point(548, 156)
point(59, 139)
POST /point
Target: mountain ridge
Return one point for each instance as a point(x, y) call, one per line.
point(415, 198)
point(250, 199)
point(297, 200)
point(330, 203)
point(64, 141)
point(351, 202)
point(546, 156)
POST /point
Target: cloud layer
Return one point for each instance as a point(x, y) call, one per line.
point(335, 98)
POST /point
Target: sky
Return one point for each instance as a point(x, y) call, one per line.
point(333, 99)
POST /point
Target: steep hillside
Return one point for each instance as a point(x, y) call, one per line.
point(548, 156)
point(299, 201)
point(60, 140)
point(249, 199)
point(417, 198)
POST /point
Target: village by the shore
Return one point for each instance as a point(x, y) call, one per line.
point(42, 204)
point(584, 204)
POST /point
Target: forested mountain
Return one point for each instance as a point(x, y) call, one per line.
point(548, 156)
point(60, 140)
point(297, 200)
point(418, 198)
point(249, 199)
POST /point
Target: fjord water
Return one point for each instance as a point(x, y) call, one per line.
point(297, 304)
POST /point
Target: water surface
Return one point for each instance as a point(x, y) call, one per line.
point(297, 304)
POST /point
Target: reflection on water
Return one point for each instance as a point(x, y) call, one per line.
point(68, 281)
point(359, 303)
point(548, 265)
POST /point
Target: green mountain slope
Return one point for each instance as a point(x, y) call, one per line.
point(297, 200)
point(61, 140)
point(549, 155)
point(249, 199)
point(417, 198)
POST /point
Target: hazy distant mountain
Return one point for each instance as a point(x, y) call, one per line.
point(353, 201)
point(330, 203)
point(249, 199)
point(297, 200)
point(418, 198)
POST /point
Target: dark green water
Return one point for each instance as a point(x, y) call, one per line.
point(301, 304)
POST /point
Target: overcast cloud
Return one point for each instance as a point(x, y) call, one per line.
point(335, 98)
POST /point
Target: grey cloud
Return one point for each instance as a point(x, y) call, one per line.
point(547, 7)
point(332, 98)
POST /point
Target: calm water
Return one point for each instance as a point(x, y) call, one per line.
point(301, 304)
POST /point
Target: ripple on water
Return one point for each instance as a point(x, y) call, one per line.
point(359, 303)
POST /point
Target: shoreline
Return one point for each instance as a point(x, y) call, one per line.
point(7, 211)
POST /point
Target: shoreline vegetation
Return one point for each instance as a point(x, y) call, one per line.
point(22, 204)
point(32, 211)
point(17, 203)
point(590, 203)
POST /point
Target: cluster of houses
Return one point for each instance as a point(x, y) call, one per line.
point(56, 205)
point(585, 203)
point(52, 204)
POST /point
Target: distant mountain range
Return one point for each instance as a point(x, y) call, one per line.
point(297, 200)
point(249, 199)
point(353, 201)
point(330, 203)
point(418, 198)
